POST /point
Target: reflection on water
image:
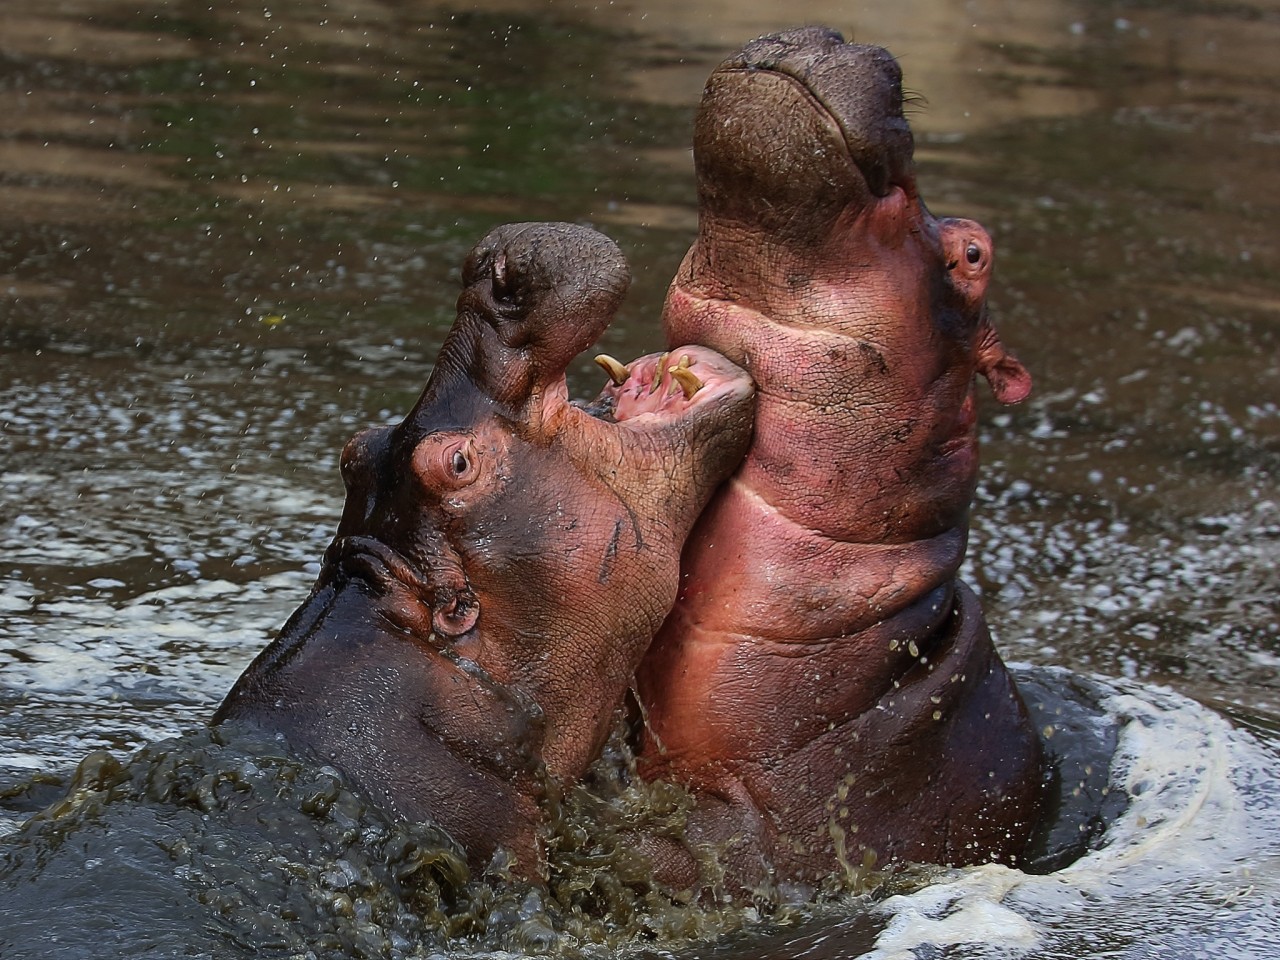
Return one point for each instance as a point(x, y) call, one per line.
point(232, 236)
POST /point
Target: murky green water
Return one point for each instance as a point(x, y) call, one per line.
point(231, 236)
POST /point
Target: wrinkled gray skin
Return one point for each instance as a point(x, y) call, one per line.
point(503, 558)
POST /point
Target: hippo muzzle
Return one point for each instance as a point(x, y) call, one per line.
point(796, 129)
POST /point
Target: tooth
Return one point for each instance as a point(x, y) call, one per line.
point(685, 363)
point(616, 371)
point(658, 372)
point(688, 381)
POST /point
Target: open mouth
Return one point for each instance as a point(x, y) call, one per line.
point(665, 385)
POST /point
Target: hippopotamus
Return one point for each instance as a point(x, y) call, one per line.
point(825, 684)
point(504, 556)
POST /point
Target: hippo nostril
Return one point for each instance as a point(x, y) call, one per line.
point(502, 286)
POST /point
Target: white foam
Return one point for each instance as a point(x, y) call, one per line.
point(1193, 861)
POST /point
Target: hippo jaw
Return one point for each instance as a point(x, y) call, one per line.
point(804, 159)
point(859, 88)
point(818, 268)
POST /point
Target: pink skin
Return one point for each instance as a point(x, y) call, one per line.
point(570, 616)
point(824, 684)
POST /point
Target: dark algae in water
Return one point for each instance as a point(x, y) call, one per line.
point(212, 842)
point(217, 843)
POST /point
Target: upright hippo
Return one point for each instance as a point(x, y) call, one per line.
point(503, 557)
point(825, 684)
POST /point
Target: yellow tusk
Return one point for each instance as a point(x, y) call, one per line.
point(658, 372)
point(616, 371)
point(688, 381)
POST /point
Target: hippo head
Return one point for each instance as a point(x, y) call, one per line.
point(809, 216)
point(504, 557)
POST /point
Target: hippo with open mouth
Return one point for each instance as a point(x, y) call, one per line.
point(825, 684)
point(504, 557)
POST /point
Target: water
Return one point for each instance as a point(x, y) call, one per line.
point(232, 239)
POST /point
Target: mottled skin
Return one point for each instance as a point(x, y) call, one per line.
point(825, 684)
point(503, 557)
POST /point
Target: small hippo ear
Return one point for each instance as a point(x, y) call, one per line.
point(456, 616)
point(1009, 379)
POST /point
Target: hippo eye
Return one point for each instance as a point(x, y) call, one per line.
point(445, 462)
point(974, 253)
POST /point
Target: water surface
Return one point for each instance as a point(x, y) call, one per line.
point(232, 238)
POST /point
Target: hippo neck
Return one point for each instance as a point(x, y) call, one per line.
point(904, 474)
point(821, 688)
point(946, 732)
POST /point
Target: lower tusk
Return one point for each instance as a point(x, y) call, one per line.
point(658, 372)
point(688, 381)
point(616, 371)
